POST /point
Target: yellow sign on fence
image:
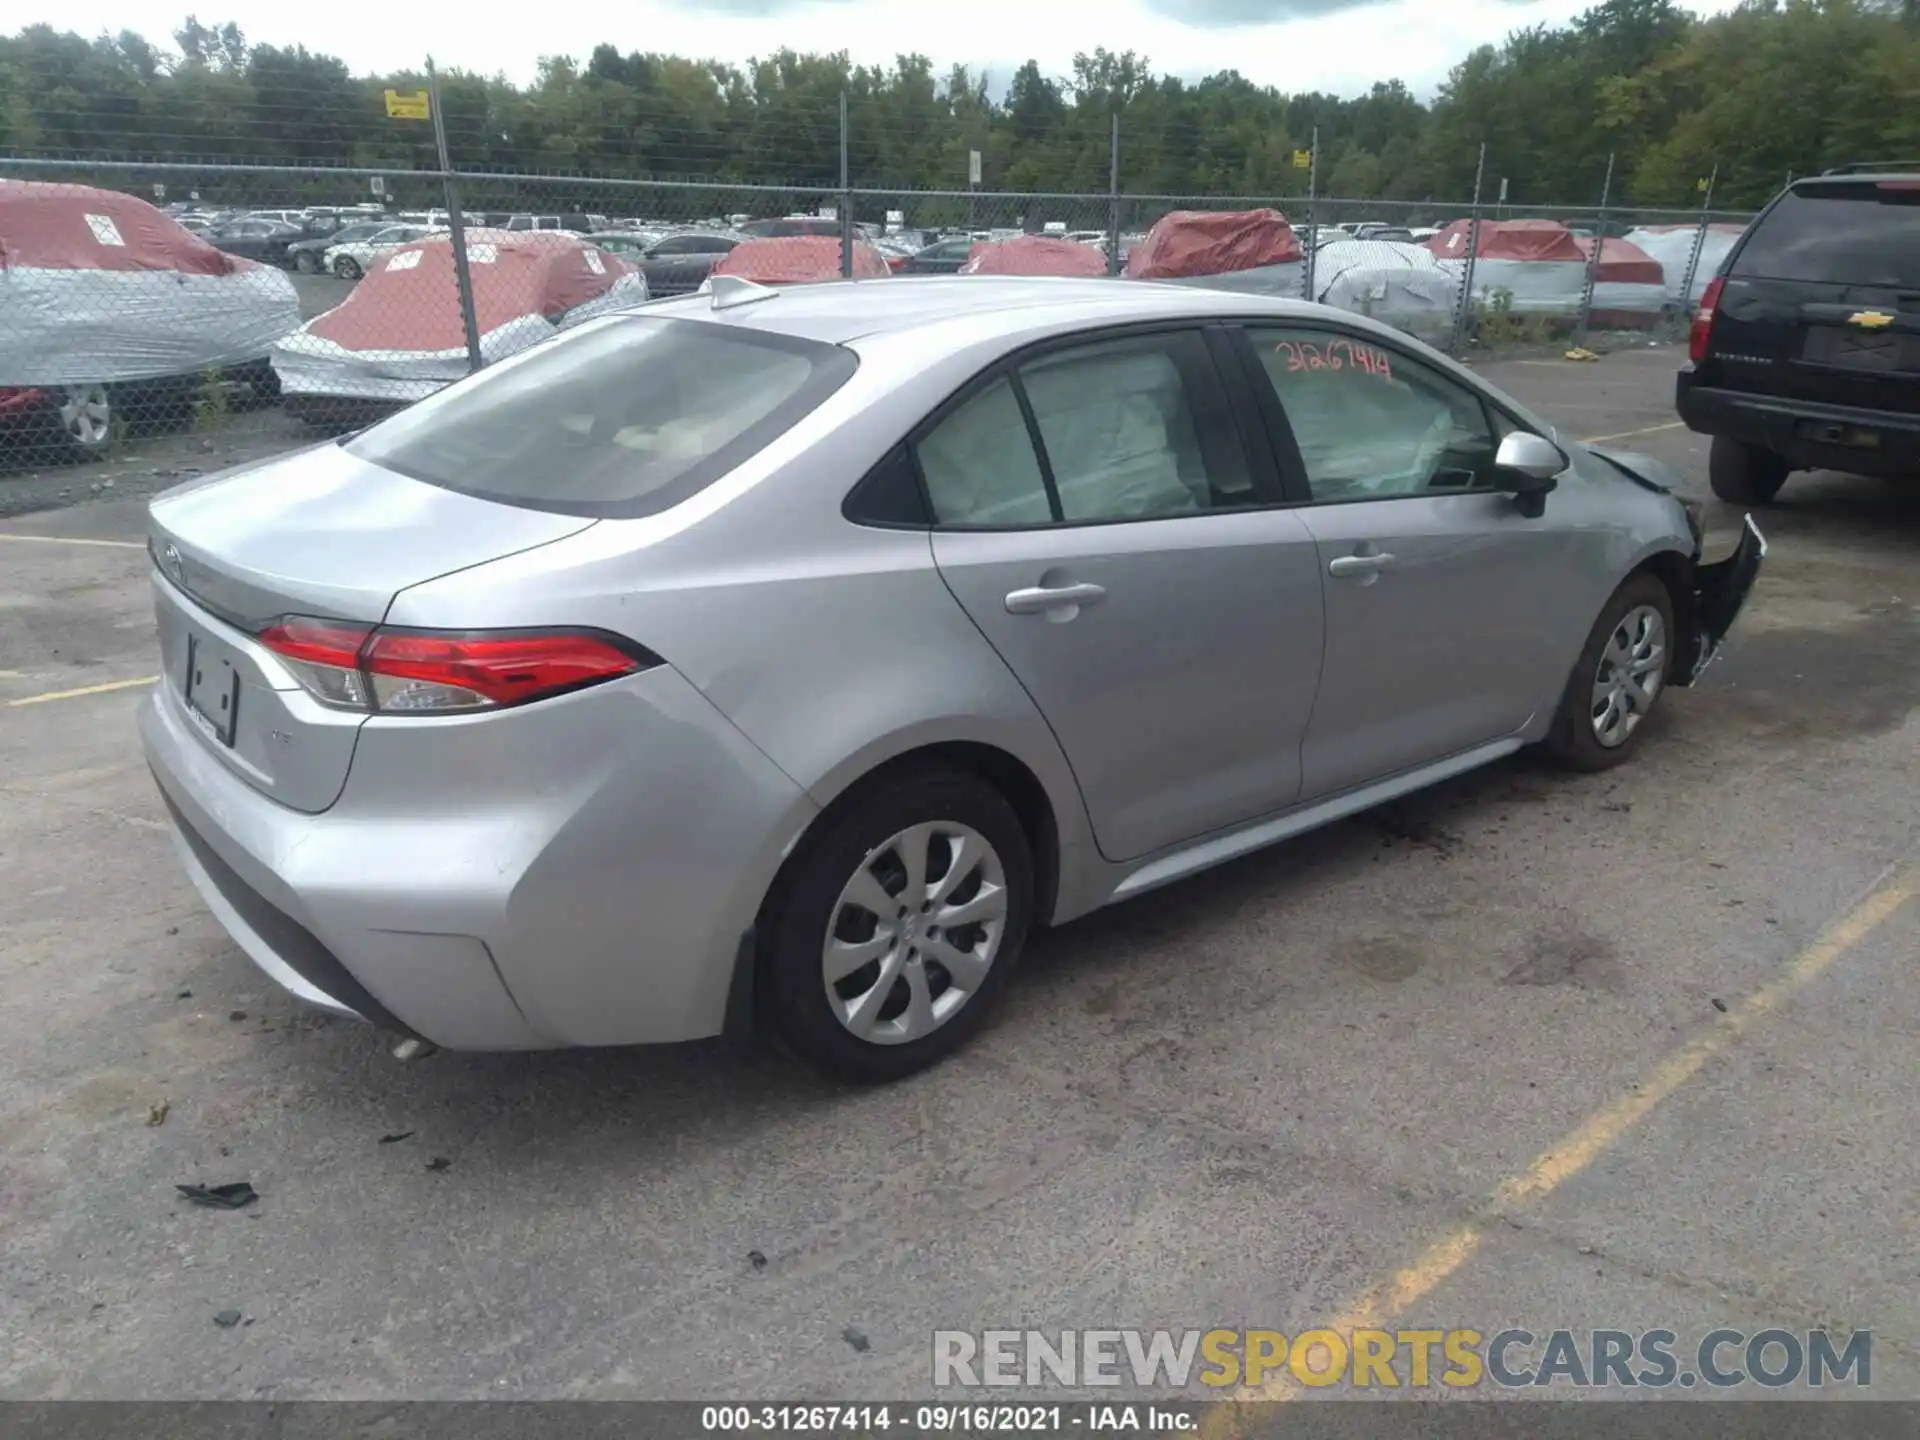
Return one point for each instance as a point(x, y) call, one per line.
point(1302, 159)
point(408, 107)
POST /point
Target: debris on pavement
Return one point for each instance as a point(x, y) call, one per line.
point(856, 1339)
point(1720, 1005)
point(157, 1114)
point(226, 1319)
point(396, 1137)
point(438, 1163)
point(756, 1260)
point(236, 1015)
point(234, 1196)
point(1580, 352)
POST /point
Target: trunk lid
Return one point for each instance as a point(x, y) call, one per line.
point(317, 533)
point(1821, 302)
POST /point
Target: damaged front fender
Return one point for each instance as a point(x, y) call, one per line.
point(1720, 590)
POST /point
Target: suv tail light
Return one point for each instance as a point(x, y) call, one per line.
point(436, 672)
point(1701, 332)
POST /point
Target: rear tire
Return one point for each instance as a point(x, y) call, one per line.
point(346, 267)
point(86, 418)
point(1622, 672)
point(1743, 474)
point(905, 993)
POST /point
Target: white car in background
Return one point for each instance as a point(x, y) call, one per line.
point(353, 259)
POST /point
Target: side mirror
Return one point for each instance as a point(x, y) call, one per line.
point(1528, 467)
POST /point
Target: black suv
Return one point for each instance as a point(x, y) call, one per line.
point(1805, 351)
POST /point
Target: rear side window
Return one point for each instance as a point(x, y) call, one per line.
point(1133, 428)
point(624, 418)
point(980, 467)
point(1865, 233)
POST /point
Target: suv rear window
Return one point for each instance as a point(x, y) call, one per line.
point(1845, 233)
point(626, 417)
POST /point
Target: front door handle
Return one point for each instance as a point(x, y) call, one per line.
point(1359, 564)
point(1040, 598)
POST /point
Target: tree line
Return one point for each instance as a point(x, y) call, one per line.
point(1770, 89)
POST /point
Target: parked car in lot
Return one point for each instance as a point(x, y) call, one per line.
point(1116, 582)
point(400, 335)
point(673, 264)
point(353, 258)
point(113, 316)
point(789, 227)
point(260, 239)
point(943, 257)
point(308, 255)
point(578, 224)
point(1805, 349)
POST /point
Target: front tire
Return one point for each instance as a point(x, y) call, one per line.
point(1620, 676)
point(1743, 474)
point(307, 263)
point(346, 267)
point(886, 944)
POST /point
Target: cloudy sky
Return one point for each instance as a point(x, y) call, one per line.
point(1337, 45)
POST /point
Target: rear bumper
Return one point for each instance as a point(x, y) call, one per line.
point(577, 872)
point(1808, 435)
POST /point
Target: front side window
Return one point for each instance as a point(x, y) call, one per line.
point(623, 418)
point(1132, 429)
point(1370, 423)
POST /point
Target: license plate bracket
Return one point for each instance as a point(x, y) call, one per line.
point(212, 689)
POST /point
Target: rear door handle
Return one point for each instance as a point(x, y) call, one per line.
point(1040, 599)
point(1359, 564)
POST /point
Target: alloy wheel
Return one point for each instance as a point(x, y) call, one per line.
point(1632, 670)
point(86, 414)
point(915, 932)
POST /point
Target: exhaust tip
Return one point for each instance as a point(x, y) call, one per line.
point(413, 1048)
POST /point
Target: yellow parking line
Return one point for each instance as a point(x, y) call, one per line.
point(73, 540)
point(1629, 434)
point(100, 689)
point(1393, 1296)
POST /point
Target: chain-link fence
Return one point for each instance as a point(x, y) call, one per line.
point(273, 302)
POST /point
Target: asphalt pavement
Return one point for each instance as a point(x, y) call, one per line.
point(1614, 1051)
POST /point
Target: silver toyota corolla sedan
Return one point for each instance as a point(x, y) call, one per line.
point(784, 658)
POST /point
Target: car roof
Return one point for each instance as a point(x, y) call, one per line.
point(840, 311)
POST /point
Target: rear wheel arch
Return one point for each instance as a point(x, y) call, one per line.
point(769, 997)
point(1005, 771)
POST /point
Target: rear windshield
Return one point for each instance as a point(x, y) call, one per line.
point(1865, 233)
point(624, 418)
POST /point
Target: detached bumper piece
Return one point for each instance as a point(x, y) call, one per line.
point(1720, 590)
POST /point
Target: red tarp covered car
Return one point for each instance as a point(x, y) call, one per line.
point(1629, 285)
point(1530, 267)
point(799, 260)
point(399, 336)
point(106, 304)
point(1252, 250)
point(1034, 255)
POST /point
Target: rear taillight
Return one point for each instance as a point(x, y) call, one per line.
point(1701, 333)
point(437, 672)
